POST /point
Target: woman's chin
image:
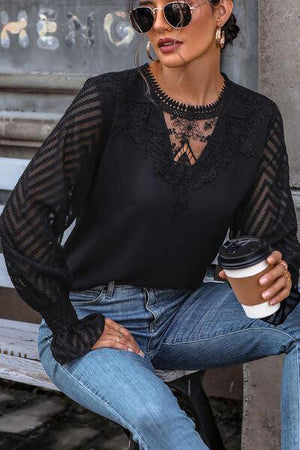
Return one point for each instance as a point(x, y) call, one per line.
point(172, 61)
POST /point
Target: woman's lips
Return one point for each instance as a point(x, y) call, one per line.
point(170, 47)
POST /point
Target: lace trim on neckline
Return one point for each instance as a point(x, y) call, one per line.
point(178, 108)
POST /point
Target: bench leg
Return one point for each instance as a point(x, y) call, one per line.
point(193, 400)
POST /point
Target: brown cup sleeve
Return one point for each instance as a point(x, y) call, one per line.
point(248, 290)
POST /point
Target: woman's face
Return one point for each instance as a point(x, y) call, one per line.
point(197, 37)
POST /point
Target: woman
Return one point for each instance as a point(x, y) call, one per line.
point(155, 177)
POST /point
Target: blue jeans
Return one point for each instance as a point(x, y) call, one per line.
point(197, 328)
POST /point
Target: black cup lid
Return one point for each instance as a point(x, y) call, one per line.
point(242, 252)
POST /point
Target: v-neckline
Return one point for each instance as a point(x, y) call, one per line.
point(168, 107)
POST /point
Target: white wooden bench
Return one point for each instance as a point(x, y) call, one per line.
point(19, 359)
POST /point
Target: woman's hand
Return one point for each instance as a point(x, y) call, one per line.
point(116, 336)
point(281, 286)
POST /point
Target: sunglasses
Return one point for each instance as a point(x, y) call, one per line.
point(177, 14)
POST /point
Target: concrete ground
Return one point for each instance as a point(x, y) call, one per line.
point(33, 419)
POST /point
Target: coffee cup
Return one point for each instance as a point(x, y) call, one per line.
point(244, 260)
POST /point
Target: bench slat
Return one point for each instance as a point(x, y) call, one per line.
point(17, 325)
point(5, 280)
point(170, 375)
point(26, 350)
point(11, 170)
point(25, 371)
point(12, 343)
point(19, 339)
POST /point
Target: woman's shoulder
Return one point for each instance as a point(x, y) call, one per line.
point(118, 80)
point(252, 116)
point(249, 100)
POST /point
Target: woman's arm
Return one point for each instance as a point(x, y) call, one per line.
point(46, 199)
point(268, 210)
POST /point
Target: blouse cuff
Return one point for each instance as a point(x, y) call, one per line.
point(70, 342)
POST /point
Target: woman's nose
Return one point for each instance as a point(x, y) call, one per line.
point(159, 20)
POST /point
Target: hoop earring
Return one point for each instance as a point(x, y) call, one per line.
point(148, 51)
point(220, 38)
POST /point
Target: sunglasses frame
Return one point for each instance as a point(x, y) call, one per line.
point(153, 12)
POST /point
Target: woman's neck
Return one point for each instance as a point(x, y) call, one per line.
point(187, 84)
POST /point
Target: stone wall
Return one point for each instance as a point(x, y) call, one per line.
point(278, 73)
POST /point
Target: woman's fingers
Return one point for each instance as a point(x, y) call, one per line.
point(275, 256)
point(125, 340)
point(280, 287)
point(111, 343)
point(116, 336)
point(277, 285)
point(272, 275)
point(283, 294)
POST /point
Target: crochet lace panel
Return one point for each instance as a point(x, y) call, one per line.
point(189, 126)
point(191, 143)
point(45, 201)
point(268, 211)
point(174, 107)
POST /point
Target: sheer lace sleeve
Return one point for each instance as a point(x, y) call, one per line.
point(268, 210)
point(46, 199)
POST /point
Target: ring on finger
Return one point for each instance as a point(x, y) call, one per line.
point(284, 264)
point(287, 276)
point(120, 336)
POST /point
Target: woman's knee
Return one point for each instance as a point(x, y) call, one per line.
point(152, 414)
point(165, 426)
point(157, 413)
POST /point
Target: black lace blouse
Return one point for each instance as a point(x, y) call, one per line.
point(154, 185)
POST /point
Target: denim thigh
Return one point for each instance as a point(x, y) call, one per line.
point(117, 384)
point(210, 329)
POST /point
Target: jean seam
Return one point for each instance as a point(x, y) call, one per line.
point(104, 401)
point(228, 334)
point(152, 321)
point(99, 297)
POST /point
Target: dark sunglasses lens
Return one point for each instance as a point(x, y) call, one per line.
point(141, 19)
point(178, 14)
